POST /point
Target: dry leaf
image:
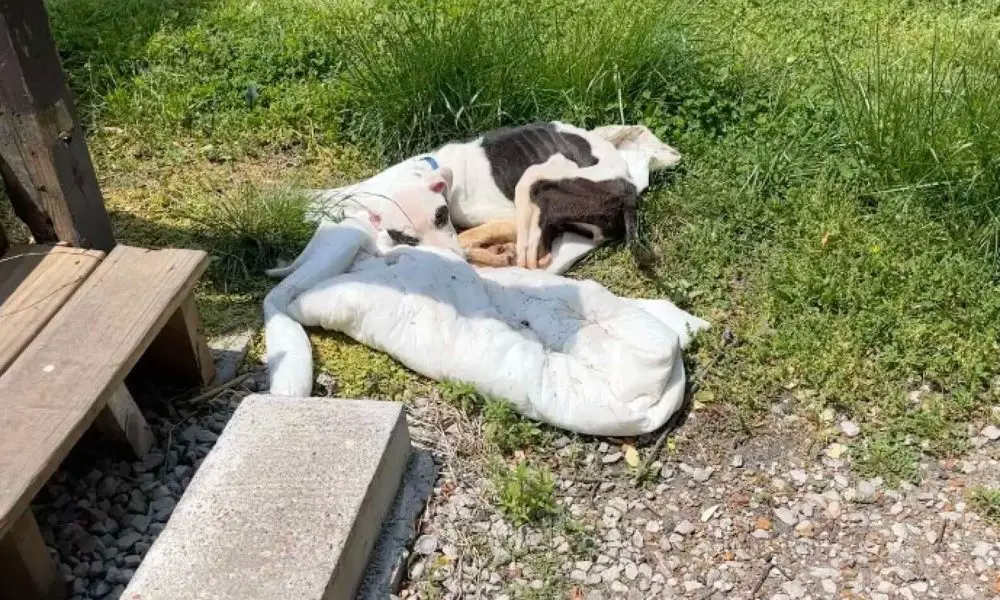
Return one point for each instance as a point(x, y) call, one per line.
point(763, 523)
point(631, 455)
point(826, 238)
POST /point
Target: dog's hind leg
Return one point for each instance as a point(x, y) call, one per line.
point(528, 213)
point(488, 234)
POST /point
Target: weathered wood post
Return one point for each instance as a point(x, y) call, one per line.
point(43, 156)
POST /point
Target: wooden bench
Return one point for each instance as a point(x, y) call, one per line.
point(73, 324)
point(288, 504)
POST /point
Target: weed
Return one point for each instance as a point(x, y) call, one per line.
point(462, 395)
point(250, 231)
point(508, 430)
point(986, 501)
point(524, 493)
point(889, 457)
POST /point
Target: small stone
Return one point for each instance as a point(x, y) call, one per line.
point(865, 492)
point(150, 461)
point(653, 526)
point(162, 508)
point(737, 461)
point(763, 524)
point(829, 586)
point(129, 539)
point(691, 585)
point(805, 529)
point(850, 428)
point(991, 432)
point(99, 589)
point(702, 475)
point(205, 436)
point(132, 560)
point(561, 442)
point(140, 523)
point(137, 502)
point(981, 549)
point(786, 516)
point(794, 589)
point(900, 531)
point(612, 458)
point(798, 476)
point(684, 528)
point(631, 571)
point(708, 513)
point(426, 544)
point(919, 587)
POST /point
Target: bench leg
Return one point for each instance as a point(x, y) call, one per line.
point(26, 568)
point(122, 421)
point(181, 349)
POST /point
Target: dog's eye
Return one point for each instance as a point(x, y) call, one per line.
point(398, 237)
point(441, 217)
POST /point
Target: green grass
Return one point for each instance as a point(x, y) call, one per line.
point(986, 501)
point(835, 210)
point(525, 492)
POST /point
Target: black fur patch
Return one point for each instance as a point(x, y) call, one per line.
point(398, 237)
point(441, 217)
point(512, 150)
point(608, 205)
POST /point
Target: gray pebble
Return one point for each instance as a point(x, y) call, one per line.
point(128, 540)
point(80, 586)
point(426, 544)
point(152, 460)
point(206, 437)
point(99, 589)
point(142, 547)
point(684, 528)
point(137, 502)
point(132, 560)
point(140, 523)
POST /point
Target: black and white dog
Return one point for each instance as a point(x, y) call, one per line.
point(523, 186)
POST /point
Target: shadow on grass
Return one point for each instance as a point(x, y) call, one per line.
point(227, 304)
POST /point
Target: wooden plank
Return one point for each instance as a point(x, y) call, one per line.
point(35, 281)
point(26, 568)
point(55, 388)
point(181, 349)
point(44, 160)
point(122, 421)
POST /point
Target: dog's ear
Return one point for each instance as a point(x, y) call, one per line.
point(439, 181)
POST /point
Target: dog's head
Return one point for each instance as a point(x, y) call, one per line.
point(419, 213)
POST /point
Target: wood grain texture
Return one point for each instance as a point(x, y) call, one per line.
point(181, 350)
point(122, 421)
point(44, 160)
point(26, 569)
point(53, 391)
point(35, 281)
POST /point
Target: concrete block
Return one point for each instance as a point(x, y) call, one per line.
point(288, 504)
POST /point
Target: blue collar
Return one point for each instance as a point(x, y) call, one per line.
point(430, 160)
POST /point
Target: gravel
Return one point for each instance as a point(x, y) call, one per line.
point(707, 532)
point(101, 511)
